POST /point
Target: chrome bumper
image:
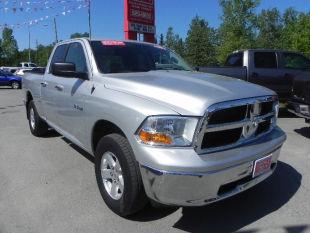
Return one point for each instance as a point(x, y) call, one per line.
point(198, 189)
point(295, 108)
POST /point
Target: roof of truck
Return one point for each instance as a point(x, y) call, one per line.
point(265, 50)
point(106, 40)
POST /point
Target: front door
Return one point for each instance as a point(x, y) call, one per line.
point(49, 90)
point(71, 96)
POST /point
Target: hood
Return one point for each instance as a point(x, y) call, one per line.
point(188, 93)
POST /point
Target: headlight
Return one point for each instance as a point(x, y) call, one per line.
point(167, 131)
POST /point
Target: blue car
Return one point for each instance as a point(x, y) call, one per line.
point(8, 79)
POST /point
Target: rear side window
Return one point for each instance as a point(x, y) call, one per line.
point(295, 61)
point(235, 60)
point(76, 56)
point(265, 60)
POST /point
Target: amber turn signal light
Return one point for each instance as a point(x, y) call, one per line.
point(157, 138)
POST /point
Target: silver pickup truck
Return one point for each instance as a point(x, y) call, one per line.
point(159, 131)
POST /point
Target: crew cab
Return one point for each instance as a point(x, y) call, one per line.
point(8, 79)
point(158, 130)
point(274, 69)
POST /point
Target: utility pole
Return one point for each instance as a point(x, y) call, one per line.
point(55, 28)
point(89, 19)
point(29, 52)
point(37, 45)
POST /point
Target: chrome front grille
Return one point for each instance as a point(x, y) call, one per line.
point(233, 123)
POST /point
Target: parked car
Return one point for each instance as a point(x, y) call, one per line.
point(300, 102)
point(27, 65)
point(8, 79)
point(274, 69)
point(22, 66)
point(158, 130)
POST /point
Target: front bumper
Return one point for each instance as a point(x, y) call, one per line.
point(299, 109)
point(192, 188)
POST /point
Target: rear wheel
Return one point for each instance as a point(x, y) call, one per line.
point(15, 85)
point(38, 127)
point(118, 176)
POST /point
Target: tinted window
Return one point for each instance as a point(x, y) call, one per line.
point(60, 54)
point(76, 56)
point(32, 65)
point(235, 60)
point(295, 61)
point(25, 65)
point(126, 57)
point(5, 73)
point(265, 60)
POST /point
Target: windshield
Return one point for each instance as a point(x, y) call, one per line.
point(127, 57)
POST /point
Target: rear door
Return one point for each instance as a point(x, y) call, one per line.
point(49, 90)
point(265, 72)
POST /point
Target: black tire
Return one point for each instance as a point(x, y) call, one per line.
point(15, 85)
point(40, 127)
point(133, 198)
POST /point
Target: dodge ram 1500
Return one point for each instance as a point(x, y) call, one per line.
point(159, 131)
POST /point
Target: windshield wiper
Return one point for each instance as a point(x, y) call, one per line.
point(170, 67)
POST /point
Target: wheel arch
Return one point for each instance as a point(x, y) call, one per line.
point(29, 98)
point(102, 128)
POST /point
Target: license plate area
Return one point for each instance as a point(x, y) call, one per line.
point(262, 166)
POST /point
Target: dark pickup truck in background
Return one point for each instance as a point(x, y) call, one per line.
point(274, 69)
point(300, 101)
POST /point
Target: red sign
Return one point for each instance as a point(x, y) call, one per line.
point(141, 11)
point(140, 18)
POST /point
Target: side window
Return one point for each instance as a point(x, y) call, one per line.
point(60, 54)
point(265, 60)
point(235, 60)
point(295, 61)
point(76, 56)
point(25, 65)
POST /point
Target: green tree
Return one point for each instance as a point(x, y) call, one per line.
point(8, 46)
point(237, 30)
point(174, 42)
point(200, 43)
point(269, 23)
point(79, 35)
point(296, 35)
point(162, 40)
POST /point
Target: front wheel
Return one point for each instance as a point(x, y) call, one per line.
point(118, 176)
point(15, 85)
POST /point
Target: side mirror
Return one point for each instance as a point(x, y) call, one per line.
point(67, 70)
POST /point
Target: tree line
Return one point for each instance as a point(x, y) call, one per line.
point(241, 28)
point(11, 56)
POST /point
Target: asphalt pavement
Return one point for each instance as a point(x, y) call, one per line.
point(48, 185)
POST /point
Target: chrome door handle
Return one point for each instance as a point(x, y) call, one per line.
point(43, 84)
point(59, 87)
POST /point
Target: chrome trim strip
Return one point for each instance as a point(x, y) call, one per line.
point(204, 127)
point(238, 124)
